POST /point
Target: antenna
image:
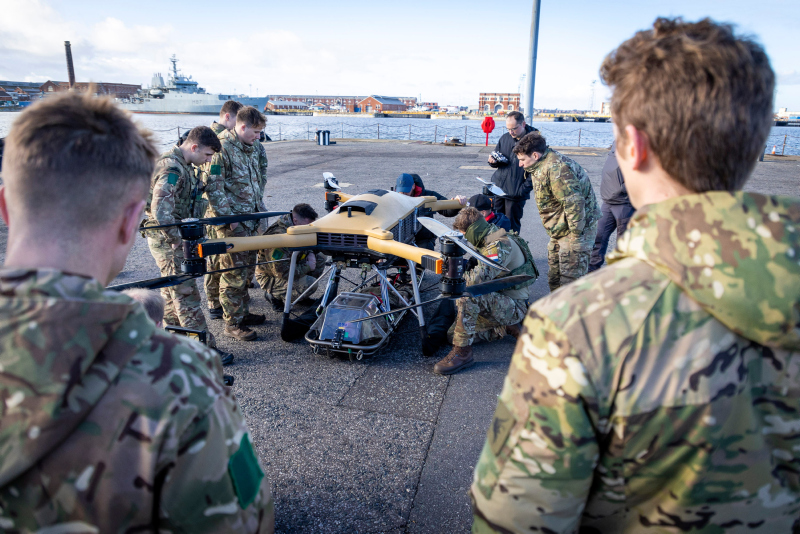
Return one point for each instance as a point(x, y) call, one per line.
point(70, 67)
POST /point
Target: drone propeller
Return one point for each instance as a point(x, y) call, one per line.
point(223, 219)
point(491, 187)
point(441, 230)
point(492, 286)
point(331, 182)
point(175, 279)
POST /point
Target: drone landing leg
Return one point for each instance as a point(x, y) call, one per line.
point(415, 287)
point(292, 268)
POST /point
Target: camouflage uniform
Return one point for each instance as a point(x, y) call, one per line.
point(274, 277)
point(175, 194)
point(112, 425)
point(488, 315)
point(235, 187)
point(569, 211)
point(661, 393)
point(211, 281)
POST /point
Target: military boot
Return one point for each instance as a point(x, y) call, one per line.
point(459, 358)
point(215, 313)
point(225, 357)
point(240, 332)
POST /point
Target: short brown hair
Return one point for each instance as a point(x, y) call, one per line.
point(152, 301)
point(701, 95)
point(204, 136)
point(517, 116)
point(232, 107)
point(530, 143)
point(466, 218)
point(75, 158)
point(305, 211)
point(251, 117)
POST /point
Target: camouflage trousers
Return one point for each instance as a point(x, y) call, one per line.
point(182, 302)
point(234, 296)
point(485, 318)
point(568, 257)
point(275, 283)
point(211, 281)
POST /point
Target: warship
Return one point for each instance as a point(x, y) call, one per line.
point(182, 94)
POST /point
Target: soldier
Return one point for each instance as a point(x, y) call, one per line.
point(567, 206)
point(235, 187)
point(227, 121)
point(489, 316)
point(108, 423)
point(273, 278)
point(660, 393)
point(176, 194)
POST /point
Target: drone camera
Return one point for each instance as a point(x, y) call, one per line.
point(453, 282)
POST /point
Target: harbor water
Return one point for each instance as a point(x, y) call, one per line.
point(279, 127)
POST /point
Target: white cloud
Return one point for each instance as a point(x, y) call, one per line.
point(789, 78)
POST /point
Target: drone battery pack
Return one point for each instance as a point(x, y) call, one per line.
point(347, 307)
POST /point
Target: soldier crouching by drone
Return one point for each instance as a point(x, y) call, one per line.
point(492, 316)
point(176, 194)
point(273, 278)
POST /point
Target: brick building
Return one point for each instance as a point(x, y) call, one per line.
point(498, 102)
point(119, 90)
point(348, 103)
point(377, 103)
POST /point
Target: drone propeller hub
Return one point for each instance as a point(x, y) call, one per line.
point(191, 231)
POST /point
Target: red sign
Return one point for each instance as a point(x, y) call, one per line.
point(487, 125)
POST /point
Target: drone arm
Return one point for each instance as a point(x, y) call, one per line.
point(259, 242)
point(442, 205)
point(427, 258)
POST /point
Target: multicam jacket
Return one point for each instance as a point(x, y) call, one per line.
point(234, 179)
point(494, 243)
point(564, 195)
point(112, 425)
point(661, 393)
point(176, 193)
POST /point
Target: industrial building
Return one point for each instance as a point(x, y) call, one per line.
point(348, 103)
point(498, 102)
point(119, 90)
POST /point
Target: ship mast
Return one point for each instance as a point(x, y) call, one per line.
point(174, 61)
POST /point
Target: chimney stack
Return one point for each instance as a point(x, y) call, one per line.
point(70, 68)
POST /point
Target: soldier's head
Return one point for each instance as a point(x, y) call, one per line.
point(303, 214)
point(467, 217)
point(77, 172)
point(515, 124)
point(530, 149)
point(249, 123)
point(152, 301)
point(200, 146)
point(227, 115)
point(692, 107)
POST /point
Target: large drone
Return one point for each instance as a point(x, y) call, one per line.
point(373, 232)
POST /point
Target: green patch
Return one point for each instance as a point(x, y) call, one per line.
point(277, 254)
point(215, 169)
point(500, 428)
point(245, 473)
point(172, 178)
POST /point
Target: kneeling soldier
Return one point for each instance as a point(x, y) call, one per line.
point(488, 316)
point(274, 278)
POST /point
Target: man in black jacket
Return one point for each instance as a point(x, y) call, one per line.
point(509, 176)
point(616, 210)
point(411, 185)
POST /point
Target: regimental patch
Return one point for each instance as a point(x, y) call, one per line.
point(172, 178)
point(500, 428)
point(493, 256)
point(215, 169)
point(277, 254)
point(245, 473)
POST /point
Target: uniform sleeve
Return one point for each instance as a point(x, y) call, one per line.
point(162, 206)
point(216, 483)
point(537, 465)
point(499, 252)
point(215, 187)
point(566, 189)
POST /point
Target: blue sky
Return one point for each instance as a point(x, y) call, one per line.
point(446, 51)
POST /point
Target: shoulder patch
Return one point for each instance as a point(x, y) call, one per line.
point(215, 169)
point(245, 473)
point(172, 178)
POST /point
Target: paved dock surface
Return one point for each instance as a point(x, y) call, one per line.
point(381, 445)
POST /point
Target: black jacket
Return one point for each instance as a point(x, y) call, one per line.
point(510, 177)
point(612, 184)
point(431, 193)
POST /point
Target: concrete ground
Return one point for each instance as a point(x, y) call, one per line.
point(381, 445)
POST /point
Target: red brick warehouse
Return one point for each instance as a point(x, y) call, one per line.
point(498, 102)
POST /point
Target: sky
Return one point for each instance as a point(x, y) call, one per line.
point(442, 51)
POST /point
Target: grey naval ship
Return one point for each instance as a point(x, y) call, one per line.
point(182, 94)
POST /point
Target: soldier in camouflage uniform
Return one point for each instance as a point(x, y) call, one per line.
point(235, 186)
point(227, 121)
point(488, 316)
point(660, 394)
point(274, 277)
point(567, 205)
point(108, 424)
point(176, 194)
